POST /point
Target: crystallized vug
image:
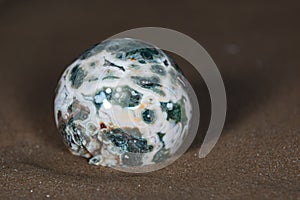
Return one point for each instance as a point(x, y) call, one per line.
point(123, 103)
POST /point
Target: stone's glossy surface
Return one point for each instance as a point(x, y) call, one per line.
point(123, 103)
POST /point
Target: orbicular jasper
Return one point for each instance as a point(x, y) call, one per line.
point(123, 102)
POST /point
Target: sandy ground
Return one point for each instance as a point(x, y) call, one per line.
point(255, 45)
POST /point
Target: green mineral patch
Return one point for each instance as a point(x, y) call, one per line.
point(128, 143)
point(151, 83)
point(175, 111)
point(125, 49)
point(158, 69)
point(77, 76)
point(142, 54)
point(142, 61)
point(148, 116)
point(125, 97)
point(93, 64)
point(160, 136)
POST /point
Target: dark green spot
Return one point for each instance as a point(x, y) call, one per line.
point(159, 69)
point(92, 64)
point(77, 76)
point(142, 61)
point(135, 99)
point(174, 113)
point(146, 54)
point(160, 136)
point(148, 116)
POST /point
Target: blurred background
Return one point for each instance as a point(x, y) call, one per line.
point(254, 44)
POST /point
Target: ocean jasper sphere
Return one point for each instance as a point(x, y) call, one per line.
point(123, 103)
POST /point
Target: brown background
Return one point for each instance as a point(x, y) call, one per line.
point(256, 46)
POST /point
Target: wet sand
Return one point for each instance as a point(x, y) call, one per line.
point(254, 44)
